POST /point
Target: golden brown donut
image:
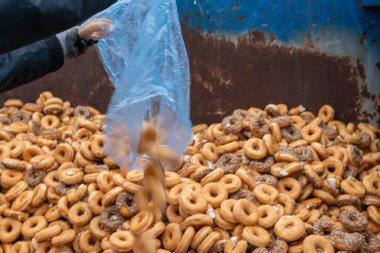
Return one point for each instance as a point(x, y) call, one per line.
point(10, 230)
point(255, 148)
point(256, 236)
point(192, 202)
point(80, 214)
point(214, 193)
point(268, 216)
point(289, 228)
point(266, 194)
point(185, 241)
point(245, 212)
point(171, 236)
point(141, 222)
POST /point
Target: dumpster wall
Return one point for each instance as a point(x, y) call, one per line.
point(250, 53)
point(245, 53)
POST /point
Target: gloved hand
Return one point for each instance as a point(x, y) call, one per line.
point(76, 40)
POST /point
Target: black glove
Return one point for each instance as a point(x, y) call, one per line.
point(72, 44)
point(76, 40)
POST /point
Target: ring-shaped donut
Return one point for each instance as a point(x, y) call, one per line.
point(266, 194)
point(246, 212)
point(255, 148)
point(214, 193)
point(289, 228)
point(10, 230)
point(256, 236)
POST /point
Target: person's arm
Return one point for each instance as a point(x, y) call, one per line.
point(40, 58)
point(28, 63)
point(27, 21)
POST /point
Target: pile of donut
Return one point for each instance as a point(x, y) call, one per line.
point(273, 180)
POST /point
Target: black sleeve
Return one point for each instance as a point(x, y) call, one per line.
point(27, 21)
point(29, 63)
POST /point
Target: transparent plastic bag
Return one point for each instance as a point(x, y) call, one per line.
point(146, 59)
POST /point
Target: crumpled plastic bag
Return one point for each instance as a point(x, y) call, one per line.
point(146, 59)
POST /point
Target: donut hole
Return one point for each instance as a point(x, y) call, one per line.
point(331, 168)
point(246, 210)
point(122, 238)
point(266, 191)
point(55, 178)
point(213, 194)
point(320, 250)
point(33, 155)
point(375, 184)
point(311, 132)
point(228, 181)
point(256, 233)
point(91, 241)
point(288, 188)
point(255, 147)
point(9, 228)
point(80, 212)
point(129, 201)
point(289, 226)
point(193, 187)
point(100, 143)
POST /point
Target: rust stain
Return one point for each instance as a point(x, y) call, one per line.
point(360, 69)
point(242, 18)
point(260, 73)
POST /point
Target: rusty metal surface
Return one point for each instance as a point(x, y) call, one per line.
point(226, 75)
point(81, 81)
point(310, 46)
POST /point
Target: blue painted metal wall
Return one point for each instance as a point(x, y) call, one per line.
point(284, 18)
